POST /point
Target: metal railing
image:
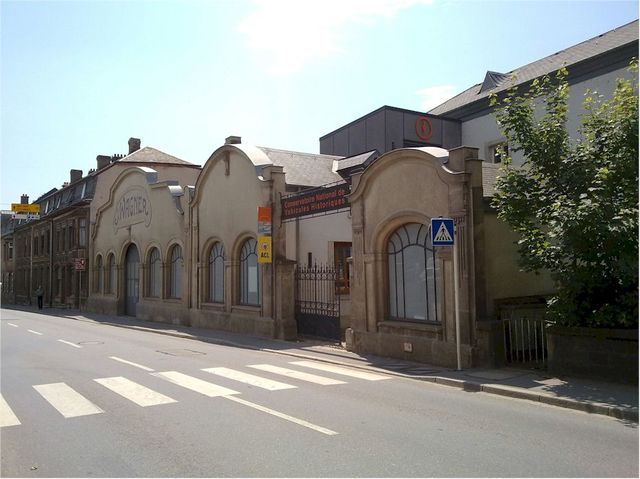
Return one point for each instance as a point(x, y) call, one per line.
point(525, 336)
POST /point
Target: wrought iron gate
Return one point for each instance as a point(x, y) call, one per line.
point(525, 338)
point(317, 302)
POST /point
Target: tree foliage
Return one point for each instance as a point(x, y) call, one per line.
point(574, 202)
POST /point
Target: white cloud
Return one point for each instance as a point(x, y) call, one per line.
point(435, 95)
point(293, 33)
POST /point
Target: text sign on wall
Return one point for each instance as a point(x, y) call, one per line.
point(80, 264)
point(264, 221)
point(264, 249)
point(320, 200)
point(264, 234)
point(132, 208)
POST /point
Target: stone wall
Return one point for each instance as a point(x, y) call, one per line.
point(606, 354)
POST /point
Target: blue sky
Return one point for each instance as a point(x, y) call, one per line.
point(79, 78)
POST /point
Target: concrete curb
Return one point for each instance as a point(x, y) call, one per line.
point(626, 414)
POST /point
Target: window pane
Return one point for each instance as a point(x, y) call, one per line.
point(412, 274)
point(154, 273)
point(176, 272)
point(112, 274)
point(249, 274)
point(216, 274)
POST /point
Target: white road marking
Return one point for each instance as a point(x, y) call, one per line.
point(67, 401)
point(195, 384)
point(14, 325)
point(354, 373)
point(295, 420)
point(131, 363)
point(70, 344)
point(135, 392)
point(249, 379)
point(290, 373)
point(7, 417)
point(34, 332)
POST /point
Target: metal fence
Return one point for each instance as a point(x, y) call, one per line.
point(525, 336)
point(317, 302)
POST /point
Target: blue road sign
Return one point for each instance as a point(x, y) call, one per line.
point(442, 232)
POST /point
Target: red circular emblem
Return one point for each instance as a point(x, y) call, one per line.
point(423, 128)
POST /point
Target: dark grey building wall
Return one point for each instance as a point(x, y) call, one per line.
point(388, 128)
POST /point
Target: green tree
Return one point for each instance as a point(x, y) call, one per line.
point(574, 202)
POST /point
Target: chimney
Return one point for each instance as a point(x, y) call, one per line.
point(24, 199)
point(134, 145)
point(233, 140)
point(75, 175)
point(102, 160)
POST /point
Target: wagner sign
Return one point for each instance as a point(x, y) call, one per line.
point(319, 200)
point(132, 208)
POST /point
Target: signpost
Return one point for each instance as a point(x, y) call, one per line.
point(25, 208)
point(80, 265)
point(443, 234)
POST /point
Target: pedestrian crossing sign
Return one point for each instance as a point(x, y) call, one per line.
point(442, 232)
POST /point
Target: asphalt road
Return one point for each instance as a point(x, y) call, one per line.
point(82, 399)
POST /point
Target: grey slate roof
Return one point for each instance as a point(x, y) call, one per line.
point(357, 160)
point(149, 154)
point(601, 44)
point(304, 169)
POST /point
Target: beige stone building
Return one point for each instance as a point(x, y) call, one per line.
point(271, 242)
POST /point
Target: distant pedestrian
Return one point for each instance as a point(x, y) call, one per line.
point(39, 294)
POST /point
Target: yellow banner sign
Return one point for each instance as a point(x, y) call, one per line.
point(21, 208)
point(264, 249)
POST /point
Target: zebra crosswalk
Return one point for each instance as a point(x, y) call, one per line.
point(70, 403)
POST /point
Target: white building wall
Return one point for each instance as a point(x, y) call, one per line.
point(483, 132)
point(316, 235)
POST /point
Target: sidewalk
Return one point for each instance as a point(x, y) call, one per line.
point(596, 397)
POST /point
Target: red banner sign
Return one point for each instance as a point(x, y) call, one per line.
point(320, 200)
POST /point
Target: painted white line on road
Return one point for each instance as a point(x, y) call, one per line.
point(354, 373)
point(135, 392)
point(249, 379)
point(14, 325)
point(70, 344)
point(290, 373)
point(131, 363)
point(7, 417)
point(295, 420)
point(195, 384)
point(67, 401)
point(34, 332)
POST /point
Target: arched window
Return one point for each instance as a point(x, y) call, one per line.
point(216, 274)
point(99, 278)
point(112, 271)
point(412, 274)
point(177, 265)
point(250, 287)
point(155, 273)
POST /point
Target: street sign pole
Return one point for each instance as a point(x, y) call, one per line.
point(456, 301)
point(443, 233)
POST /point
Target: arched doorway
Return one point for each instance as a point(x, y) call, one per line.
point(132, 280)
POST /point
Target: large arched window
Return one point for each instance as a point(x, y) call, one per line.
point(112, 272)
point(175, 274)
point(412, 274)
point(215, 293)
point(155, 274)
point(250, 286)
